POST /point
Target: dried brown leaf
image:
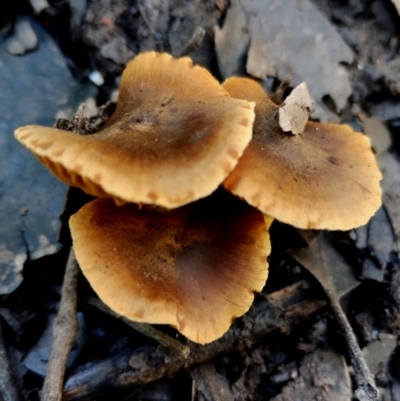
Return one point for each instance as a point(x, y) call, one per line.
point(327, 265)
point(278, 30)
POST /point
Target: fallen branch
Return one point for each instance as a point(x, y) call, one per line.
point(64, 332)
point(147, 364)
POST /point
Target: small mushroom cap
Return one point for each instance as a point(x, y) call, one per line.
point(325, 178)
point(174, 137)
point(195, 267)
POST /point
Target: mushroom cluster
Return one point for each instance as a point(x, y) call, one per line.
point(163, 243)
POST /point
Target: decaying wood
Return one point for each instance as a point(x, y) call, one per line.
point(64, 333)
point(150, 363)
point(8, 387)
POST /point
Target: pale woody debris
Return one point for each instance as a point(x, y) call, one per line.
point(296, 110)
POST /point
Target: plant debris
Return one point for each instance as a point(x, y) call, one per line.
point(295, 110)
point(348, 52)
point(277, 31)
point(335, 276)
point(323, 376)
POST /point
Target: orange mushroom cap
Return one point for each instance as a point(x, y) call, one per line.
point(325, 178)
point(173, 138)
point(195, 267)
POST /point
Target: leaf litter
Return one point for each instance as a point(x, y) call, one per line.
point(376, 233)
point(278, 30)
point(326, 264)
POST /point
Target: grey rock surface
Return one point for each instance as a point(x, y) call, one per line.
point(32, 89)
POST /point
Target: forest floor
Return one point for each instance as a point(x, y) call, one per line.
point(291, 345)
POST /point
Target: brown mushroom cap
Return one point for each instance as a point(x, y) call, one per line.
point(324, 178)
point(194, 267)
point(173, 138)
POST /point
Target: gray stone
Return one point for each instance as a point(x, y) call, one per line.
point(32, 89)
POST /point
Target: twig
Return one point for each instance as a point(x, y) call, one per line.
point(146, 329)
point(64, 332)
point(366, 389)
point(8, 387)
point(147, 364)
point(195, 41)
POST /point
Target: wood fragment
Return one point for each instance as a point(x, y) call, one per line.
point(295, 110)
point(8, 386)
point(64, 333)
point(195, 41)
point(148, 364)
point(145, 329)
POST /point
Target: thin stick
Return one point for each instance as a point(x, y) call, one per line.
point(366, 389)
point(133, 368)
point(64, 332)
point(195, 41)
point(146, 329)
point(8, 387)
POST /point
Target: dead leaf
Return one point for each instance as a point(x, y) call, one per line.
point(397, 5)
point(327, 265)
point(336, 277)
point(380, 237)
point(283, 41)
point(376, 130)
point(390, 166)
point(381, 242)
point(232, 41)
point(377, 353)
point(323, 376)
point(295, 110)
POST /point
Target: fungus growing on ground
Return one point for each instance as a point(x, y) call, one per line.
point(195, 267)
point(174, 137)
point(324, 178)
